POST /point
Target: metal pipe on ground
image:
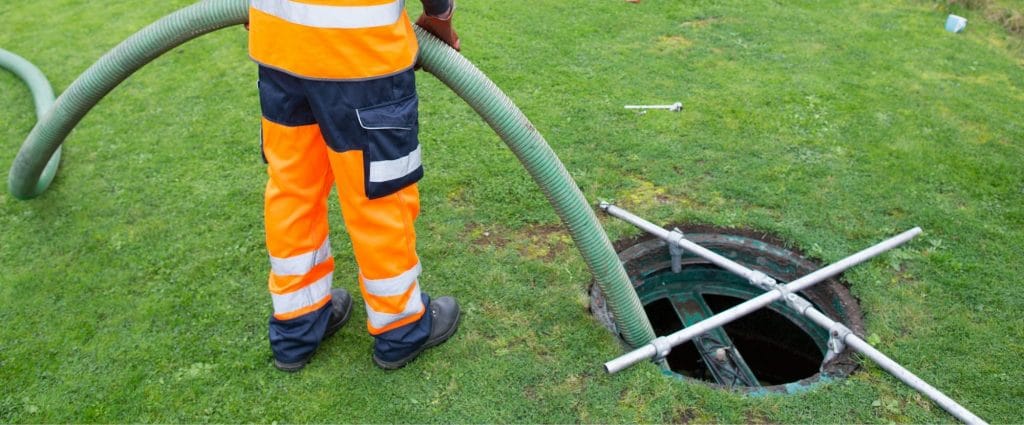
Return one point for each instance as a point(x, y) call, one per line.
point(663, 345)
point(677, 238)
point(898, 371)
point(801, 305)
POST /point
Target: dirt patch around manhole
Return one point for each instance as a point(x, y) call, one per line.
point(540, 242)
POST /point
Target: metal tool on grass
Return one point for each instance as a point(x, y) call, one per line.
point(840, 336)
point(675, 107)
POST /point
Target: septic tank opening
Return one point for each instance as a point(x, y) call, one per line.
point(774, 349)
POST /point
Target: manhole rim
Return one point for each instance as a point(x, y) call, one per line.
point(712, 237)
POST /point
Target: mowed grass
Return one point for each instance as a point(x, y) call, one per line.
point(134, 290)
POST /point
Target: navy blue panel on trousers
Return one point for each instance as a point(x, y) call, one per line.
point(296, 339)
point(402, 341)
point(378, 117)
point(388, 128)
point(283, 99)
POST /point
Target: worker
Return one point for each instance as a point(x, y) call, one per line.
point(339, 105)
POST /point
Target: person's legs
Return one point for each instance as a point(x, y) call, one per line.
point(371, 130)
point(299, 181)
point(384, 243)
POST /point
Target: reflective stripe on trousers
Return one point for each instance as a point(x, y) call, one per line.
point(388, 300)
point(301, 283)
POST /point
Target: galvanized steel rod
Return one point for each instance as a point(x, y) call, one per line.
point(662, 345)
point(898, 371)
point(759, 279)
point(752, 275)
point(669, 237)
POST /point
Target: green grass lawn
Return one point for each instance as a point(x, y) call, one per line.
point(134, 290)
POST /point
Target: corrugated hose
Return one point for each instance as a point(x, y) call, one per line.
point(30, 175)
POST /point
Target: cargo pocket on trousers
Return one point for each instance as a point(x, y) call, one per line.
point(392, 157)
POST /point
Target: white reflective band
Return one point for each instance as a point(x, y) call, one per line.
point(383, 171)
point(305, 297)
point(300, 264)
point(320, 16)
point(391, 287)
point(382, 320)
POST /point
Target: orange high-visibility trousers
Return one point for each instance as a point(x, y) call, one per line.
point(317, 134)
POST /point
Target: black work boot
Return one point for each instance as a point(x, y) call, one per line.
point(444, 314)
point(341, 309)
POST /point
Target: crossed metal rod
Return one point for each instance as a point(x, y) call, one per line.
point(841, 336)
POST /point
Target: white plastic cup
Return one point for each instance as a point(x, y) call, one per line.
point(955, 23)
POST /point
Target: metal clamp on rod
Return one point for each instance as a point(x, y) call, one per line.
point(797, 303)
point(662, 346)
point(675, 251)
point(761, 280)
point(836, 341)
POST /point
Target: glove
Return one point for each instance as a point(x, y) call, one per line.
point(441, 27)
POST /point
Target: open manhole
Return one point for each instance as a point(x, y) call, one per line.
point(775, 349)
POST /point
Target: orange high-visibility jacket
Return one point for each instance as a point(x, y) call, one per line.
point(332, 39)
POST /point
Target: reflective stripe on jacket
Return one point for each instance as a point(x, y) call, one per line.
point(332, 39)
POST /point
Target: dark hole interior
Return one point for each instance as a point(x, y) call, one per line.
point(683, 359)
point(775, 349)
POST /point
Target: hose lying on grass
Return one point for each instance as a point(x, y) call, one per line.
point(30, 174)
point(42, 95)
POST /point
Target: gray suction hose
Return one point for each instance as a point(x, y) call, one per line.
point(42, 96)
point(113, 68)
point(435, 57)
point(548, 172)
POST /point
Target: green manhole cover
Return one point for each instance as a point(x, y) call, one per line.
point(772, 350)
